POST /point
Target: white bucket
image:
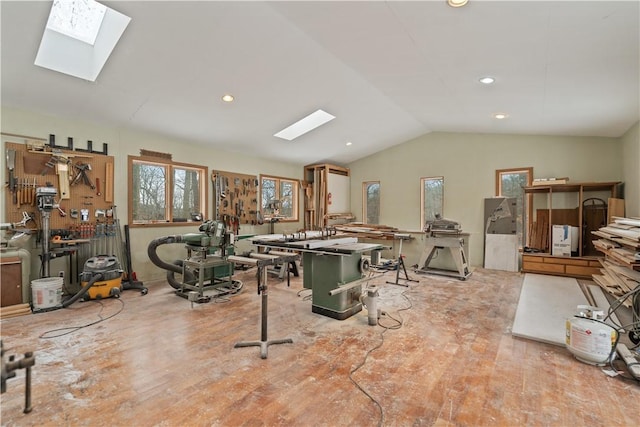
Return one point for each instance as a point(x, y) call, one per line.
point(47, 292)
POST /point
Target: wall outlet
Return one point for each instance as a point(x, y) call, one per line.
point(61, 274)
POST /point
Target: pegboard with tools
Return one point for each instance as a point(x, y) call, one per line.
point(83, 182)
point(236, 197)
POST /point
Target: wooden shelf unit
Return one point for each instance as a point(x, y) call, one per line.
point(317, 196)
point(580, 266)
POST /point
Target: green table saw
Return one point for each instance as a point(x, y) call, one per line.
point(333, 269)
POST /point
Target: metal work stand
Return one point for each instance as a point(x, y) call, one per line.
point(263, 343)
point(455, 244)
point(404, 269)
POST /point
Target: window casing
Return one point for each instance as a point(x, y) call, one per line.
point(371, 202)
point(431, 198)
point(166, 193)
point(279, 198)
point(510, 183)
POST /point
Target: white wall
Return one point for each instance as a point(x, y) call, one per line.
point(468, 163)
point(631, 170)
point(124, 142)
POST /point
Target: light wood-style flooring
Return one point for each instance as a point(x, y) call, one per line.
point(160, 362)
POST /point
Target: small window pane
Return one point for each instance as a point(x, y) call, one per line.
point(268, 193)
point(186, 193)
point(286, 198)
point(511, 185)
point(372, 203)
point(149, 197)
point(433, 197)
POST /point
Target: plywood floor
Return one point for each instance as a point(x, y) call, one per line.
point(454, 362)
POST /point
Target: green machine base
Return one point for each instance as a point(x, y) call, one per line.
point(339, 315)
point(323, 273)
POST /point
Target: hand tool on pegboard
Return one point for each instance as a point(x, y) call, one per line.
point(83, 168)
point(11, 165)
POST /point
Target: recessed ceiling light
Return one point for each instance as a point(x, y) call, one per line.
point(500, 116)
point(302, 126)
point(349, 143)
point(487, 80)
point(457, 3)
point(227, 98)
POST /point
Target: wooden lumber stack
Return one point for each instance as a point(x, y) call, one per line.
point(14, 310)
point(620, 242)
point(539, 235)
point(370, 231)
point(617, 280)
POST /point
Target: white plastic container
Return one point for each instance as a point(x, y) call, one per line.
point(46, 292)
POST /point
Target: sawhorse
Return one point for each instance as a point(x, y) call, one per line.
point(404, 269)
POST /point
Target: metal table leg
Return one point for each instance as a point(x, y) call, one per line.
point(264, 343)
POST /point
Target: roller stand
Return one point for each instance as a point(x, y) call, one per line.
point(264, 343)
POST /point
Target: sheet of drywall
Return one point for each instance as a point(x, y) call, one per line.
point(338, 194)
point(546, 302)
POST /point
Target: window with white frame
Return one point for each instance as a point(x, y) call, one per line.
point(166, 192)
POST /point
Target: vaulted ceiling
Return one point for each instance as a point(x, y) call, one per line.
point(389, 71)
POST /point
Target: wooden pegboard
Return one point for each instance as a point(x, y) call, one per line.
point(35, 169)
point(236, 196)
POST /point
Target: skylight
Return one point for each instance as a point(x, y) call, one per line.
point(309, 123)
point(79, 37)
point(80, 19)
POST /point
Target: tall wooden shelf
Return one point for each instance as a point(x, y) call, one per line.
point(318, 209)
point(581, 266)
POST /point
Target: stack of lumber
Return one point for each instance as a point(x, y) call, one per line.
point(14, 310)
point(620, 242)
point(549, 181)
point(340, 216)
point(539, 235)
point(370, 231)
point(617, 280)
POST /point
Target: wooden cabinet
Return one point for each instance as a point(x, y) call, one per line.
point(11, 281)
point(553, 213)
point(327, 195)
point(560, 266)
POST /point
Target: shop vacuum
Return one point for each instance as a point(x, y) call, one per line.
point(109, 282)
point(101, 277)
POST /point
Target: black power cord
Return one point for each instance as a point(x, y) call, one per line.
point(399, 323)
point(72, 329)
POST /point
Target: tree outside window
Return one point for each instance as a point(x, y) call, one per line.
point(371, 202)
point(432, 198)
point(279, 198)
point(510, 183)
point(165, 192)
